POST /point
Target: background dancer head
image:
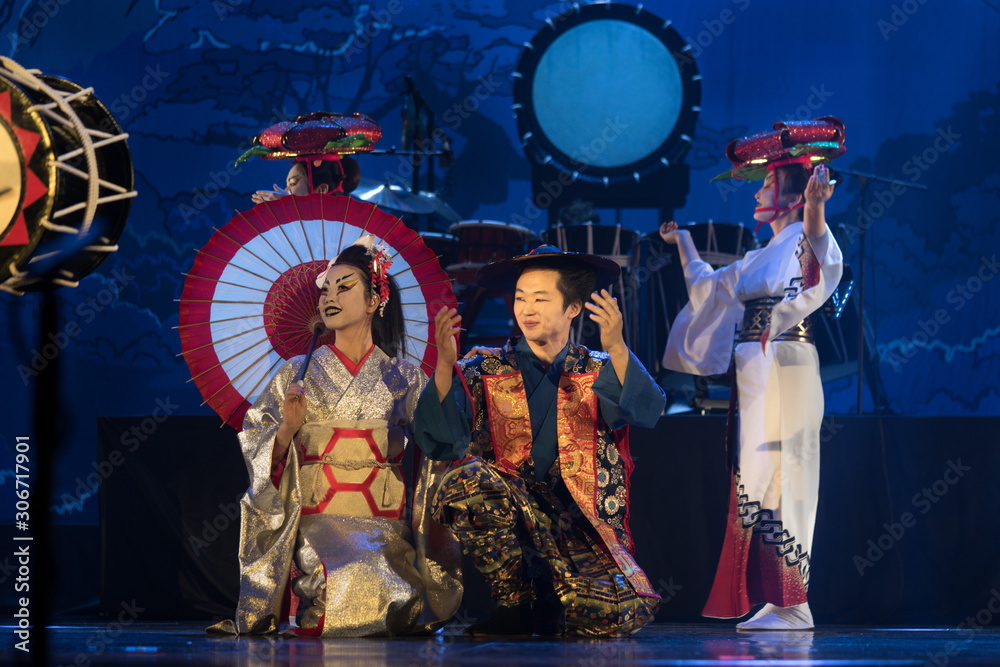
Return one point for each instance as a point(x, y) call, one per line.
point(319, 144)
point(329, 176)
point(784, 159)
point(339, 176)
point(782, 194)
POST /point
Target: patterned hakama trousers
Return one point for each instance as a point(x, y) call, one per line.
point(530, 540)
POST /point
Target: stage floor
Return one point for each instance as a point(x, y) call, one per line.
point(657, 644)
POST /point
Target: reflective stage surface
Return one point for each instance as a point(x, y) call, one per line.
point(658, 644)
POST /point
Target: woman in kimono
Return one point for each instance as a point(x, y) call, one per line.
point(326, 516)
point(770, 294)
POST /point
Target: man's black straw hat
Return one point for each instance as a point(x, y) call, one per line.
point(501, 276)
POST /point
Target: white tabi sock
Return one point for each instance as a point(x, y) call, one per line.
point(772, 617)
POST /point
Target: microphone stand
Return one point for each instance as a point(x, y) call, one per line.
point(421, 135)
point(864, 180)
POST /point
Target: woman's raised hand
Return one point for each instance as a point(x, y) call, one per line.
point(669, 232)
point(820, 187)
point(268, 195)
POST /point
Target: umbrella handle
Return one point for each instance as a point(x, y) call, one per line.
point(309, 354)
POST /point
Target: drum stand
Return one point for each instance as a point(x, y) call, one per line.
point(419, 141)
point(874, 377)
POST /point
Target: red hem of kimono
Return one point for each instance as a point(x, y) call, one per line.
point(750, 572)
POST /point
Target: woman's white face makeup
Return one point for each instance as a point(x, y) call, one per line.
point(343, 301)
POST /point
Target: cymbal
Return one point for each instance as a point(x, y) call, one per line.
point(393, 198)
point(399, 198)
point(440, 207)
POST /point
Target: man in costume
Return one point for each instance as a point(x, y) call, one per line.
point(774, 291)
point(539, 496)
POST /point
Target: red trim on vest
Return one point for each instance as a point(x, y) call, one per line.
point(507, 413)
point(576, 406)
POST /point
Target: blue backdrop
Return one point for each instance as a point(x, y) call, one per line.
point(917, 84)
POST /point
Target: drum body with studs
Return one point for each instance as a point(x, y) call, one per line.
point(483, 241)
point(65, 181)
point(445, 246)
point(611, 241)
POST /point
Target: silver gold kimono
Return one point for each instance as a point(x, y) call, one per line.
point(360, 564)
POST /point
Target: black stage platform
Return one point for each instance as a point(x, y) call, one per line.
point(657, 644)
point(905, 534)
point(905, 537)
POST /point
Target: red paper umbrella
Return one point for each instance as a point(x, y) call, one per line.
point(250, 300)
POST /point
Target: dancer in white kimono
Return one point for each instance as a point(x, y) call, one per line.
point(326, 516)
point(771, 294)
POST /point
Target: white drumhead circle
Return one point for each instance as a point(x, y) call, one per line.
point(607, 93)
